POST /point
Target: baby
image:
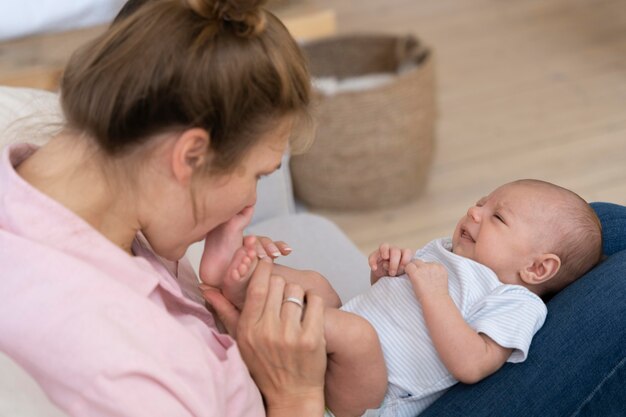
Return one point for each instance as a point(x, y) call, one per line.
point(457, 309)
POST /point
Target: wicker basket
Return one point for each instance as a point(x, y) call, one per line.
point(373, 148)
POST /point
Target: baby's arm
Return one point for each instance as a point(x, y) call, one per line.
point(468, 355)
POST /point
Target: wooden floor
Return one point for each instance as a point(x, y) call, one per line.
point(526, 88)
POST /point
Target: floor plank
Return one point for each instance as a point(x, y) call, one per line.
point(525, 89)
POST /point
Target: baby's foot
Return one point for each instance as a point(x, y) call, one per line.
point(220, 245)
point(239, 271)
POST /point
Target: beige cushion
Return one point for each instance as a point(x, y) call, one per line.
point(27, 115)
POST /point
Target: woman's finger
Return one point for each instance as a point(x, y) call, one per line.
point(256, 295)
point(313, 320)
point(283, 247)
point(270, 248)
point(292, 305)
point(275, 297)
point(260, 250)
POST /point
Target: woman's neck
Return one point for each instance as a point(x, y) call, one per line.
point(70, 171)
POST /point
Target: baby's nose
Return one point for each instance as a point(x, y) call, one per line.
point(474, 213)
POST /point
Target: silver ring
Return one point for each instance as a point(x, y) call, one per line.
point(294, 300)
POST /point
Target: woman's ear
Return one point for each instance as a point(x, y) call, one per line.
point(190, 152)
point(541, 270)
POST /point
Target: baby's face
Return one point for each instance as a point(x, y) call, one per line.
point(504, 230)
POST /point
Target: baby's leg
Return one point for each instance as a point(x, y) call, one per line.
point(244, 262)
point(220, 246)
point(356, 375)
point(311, 281)
point(238, 273)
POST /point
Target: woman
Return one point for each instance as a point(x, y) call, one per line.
point(172, 116)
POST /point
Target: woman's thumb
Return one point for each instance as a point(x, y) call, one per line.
point(225, 310)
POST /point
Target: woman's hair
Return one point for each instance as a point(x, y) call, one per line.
point(229, 67)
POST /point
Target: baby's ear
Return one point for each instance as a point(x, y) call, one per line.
point(541, 270)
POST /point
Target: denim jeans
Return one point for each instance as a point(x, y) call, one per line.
point(577, 361)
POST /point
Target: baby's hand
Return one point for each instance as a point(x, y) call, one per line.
point(428, 278)
point(388, 261)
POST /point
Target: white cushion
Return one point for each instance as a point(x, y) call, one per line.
point(27, 17)
point(27, 115)
point(318, 244)
point(20, 396)
point(275, 194)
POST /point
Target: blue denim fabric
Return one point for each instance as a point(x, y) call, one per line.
point(577, 361)
point(613, 219)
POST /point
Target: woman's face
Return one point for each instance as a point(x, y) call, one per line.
point(218, 198)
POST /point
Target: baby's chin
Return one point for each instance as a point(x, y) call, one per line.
point(455, 244)
point(459, 250)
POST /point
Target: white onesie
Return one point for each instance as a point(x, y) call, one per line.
point(508, 314)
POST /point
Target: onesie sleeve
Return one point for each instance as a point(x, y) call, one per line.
point(510, 315)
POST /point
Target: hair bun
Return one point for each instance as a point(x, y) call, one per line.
point(246, 16)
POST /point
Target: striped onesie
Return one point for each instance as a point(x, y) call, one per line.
point(509, 314)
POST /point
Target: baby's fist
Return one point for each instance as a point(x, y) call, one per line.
point(427, 278)
point(389, 261)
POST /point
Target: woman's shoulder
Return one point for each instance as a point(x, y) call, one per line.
point(47, 287)
point(79, 332)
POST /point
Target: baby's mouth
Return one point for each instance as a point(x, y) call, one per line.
point(466, 235)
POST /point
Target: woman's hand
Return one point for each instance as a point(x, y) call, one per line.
point(282, 343)
point(268, 247)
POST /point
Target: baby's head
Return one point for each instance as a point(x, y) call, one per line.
point(531, 233)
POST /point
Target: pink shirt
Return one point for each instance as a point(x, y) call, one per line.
point(104, 333)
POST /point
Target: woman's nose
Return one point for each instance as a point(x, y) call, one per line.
point(474, 213)
point(252, 198)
